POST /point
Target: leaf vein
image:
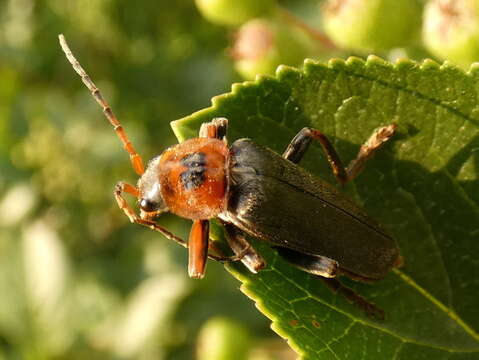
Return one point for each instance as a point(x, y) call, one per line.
point(449, 312)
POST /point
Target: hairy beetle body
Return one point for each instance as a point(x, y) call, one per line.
point(193, 178)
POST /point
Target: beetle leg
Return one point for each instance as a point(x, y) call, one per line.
point(314, 264)
point(198, 248)
point(120, 188)
point(243, 249)
point(354, 298)
point(134, 218)
point(216, 128)
point(300, 143)
point(367, 150)
point(218, 256)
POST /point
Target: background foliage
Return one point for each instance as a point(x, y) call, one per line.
point(77, 280)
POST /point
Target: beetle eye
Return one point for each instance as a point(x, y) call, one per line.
point(148, 205)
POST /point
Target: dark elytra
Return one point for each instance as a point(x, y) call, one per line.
point(282, 203)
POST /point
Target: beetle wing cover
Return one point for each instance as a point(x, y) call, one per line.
point(280, 202)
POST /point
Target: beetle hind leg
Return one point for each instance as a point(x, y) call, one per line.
point(300, 143)
point(354, 298)
point(314, 264)
point(327, 270)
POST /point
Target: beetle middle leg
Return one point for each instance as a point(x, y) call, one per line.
point(243, 249)
point(300, 143)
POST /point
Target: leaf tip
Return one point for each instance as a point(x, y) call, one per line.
point(352, 60)
point(309, 62)
point(374, 61)
point(285, 73)
point(336, 64)
point(474, 68)
point(276, 327)
point(429, 64)
point(310, 66)
point(375, 58)
point(447, 65)
point(235, 88)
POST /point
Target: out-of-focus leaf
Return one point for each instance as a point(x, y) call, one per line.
point(423, 186)
point(47, 273)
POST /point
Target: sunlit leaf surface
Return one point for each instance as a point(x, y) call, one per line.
point(423, 186)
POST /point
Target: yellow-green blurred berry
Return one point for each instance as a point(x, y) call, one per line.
point(223, 339)
point(372, 24)
point(262, 45)
point(234, 12)
point(451, 30)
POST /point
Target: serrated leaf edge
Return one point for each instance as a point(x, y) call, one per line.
point(336, 64)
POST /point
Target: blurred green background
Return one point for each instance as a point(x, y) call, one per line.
point(77, 281)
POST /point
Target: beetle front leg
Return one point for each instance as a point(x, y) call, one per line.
point(300, 143)
point(243, 249)
point(134, 218)
point(198, 248)
point(120, 188)
point(370, 309)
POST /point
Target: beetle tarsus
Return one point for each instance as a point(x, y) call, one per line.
point(367, 150)
point(354, 298)
point(120, 188)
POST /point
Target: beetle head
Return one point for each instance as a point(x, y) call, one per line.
point(150, 199)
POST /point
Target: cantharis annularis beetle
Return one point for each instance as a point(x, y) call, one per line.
point(254, 191)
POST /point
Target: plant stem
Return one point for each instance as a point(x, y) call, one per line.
point(293, 20)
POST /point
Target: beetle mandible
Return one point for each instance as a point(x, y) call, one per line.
point(245, 186)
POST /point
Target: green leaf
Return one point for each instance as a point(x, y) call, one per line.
point(422, 185)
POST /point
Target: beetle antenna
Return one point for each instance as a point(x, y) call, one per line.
point(135, 158)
